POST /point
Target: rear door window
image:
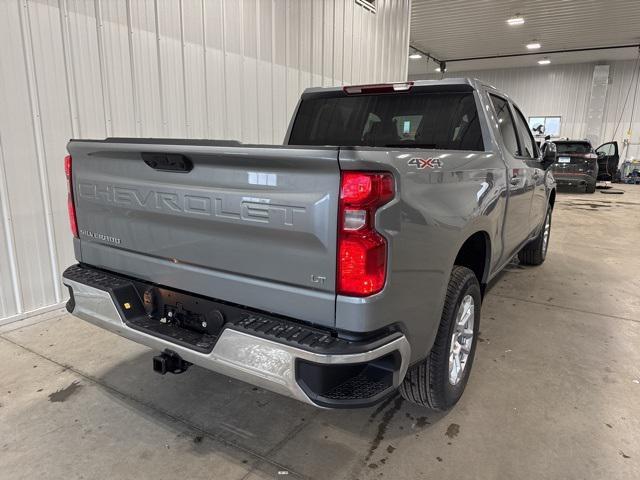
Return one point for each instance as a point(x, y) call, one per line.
point(528, 145)
point(435, 120)
point(506, 124)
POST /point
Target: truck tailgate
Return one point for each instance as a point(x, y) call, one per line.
point(252, 225)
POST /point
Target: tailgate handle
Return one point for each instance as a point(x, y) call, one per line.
point(168, 162)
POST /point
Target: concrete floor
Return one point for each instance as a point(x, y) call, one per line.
point(555, 390)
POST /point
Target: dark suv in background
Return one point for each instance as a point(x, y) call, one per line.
point(580, 165)
point(577, 164)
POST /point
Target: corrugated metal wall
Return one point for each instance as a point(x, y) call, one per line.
point(617, 123)
point(227, 69)
point(564, 90)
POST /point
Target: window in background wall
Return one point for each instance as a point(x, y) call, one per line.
point(543, 126)
point(368, 4)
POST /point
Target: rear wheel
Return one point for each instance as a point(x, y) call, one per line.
point(535, 251)
point(591, 188)
point(438, 381)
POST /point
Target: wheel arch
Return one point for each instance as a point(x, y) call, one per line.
point(475, 254)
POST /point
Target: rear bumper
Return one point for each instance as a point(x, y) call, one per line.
point(573, 179)
point(561, 176)
point(346, 374)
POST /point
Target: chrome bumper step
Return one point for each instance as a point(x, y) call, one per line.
point(287, 357)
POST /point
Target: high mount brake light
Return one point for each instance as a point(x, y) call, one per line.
point(73, 221)
point(377, 88)
point(591, 156)
point(362, 251)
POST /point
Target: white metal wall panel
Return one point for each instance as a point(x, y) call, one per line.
point(305, 24)
point(10, 293)
point(215, 68)
point(171, 67)
point(20, 134)
point(232, 17)
point(279, 94)
point(249, 80)
point(86, 70)
point(596, 103)
point(338, 40)
point(264, 74)
point(10, 303)
point(53, 122)
point(225, 69)
point(143, 47)
point(347, 57)
point(293, 34)
point(116, 63)
point(564, 90)
point(194, 73)
point(617, 122)
point(328, 42)
point(317, 44)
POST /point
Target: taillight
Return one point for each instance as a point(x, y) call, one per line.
point(362, 251)
point(70, 203)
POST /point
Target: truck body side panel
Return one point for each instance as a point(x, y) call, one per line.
point(436, 211)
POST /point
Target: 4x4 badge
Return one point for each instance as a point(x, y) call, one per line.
point(422, 163)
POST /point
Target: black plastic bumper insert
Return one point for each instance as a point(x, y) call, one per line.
point(349, 385)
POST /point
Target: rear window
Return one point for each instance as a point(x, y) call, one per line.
point(574, 147)
point(446, 121)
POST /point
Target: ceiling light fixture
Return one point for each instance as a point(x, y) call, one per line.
point(516, 20)
point(415, 56)
point(544, 61)
point(533, 45)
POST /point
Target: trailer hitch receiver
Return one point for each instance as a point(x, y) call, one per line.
point(169, 362)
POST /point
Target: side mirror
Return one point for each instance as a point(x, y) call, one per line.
point(549, 154)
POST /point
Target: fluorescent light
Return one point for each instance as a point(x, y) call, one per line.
point(517, 20)
point(415, 56)
point(544, 61)
point(533, 46)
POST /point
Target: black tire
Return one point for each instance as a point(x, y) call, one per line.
point(427, 382)
point(534, 252)
point(590, 188)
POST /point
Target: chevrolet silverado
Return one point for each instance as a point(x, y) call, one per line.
point(344, 265)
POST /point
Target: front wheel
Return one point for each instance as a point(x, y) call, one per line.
point(535, 251)
point(437, 382)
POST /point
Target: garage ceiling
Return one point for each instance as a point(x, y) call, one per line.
point(458, 29)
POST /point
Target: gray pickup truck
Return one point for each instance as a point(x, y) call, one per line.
point(345, 265)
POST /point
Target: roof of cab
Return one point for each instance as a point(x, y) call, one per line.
point(457, 84)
